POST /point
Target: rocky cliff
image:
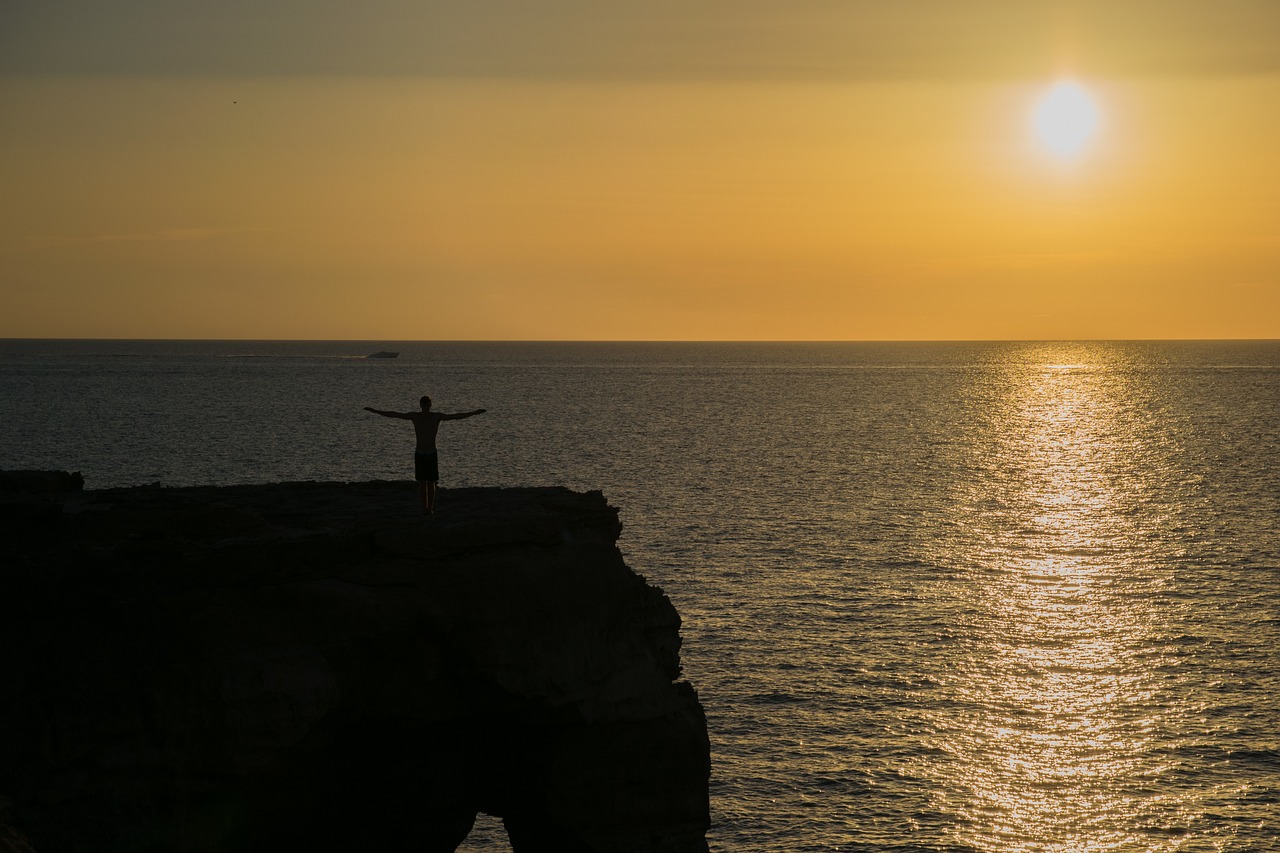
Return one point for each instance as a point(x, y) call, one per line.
point(312, 666)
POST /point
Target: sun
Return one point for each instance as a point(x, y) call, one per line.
point(1065, 119)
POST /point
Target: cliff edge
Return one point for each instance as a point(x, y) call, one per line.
point(311, 666)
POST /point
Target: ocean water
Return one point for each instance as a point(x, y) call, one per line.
point(936, 597)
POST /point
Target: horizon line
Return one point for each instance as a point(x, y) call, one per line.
point(650, 340)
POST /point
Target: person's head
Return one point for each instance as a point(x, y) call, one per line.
point(425, 402)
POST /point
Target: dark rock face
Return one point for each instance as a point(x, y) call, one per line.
point(311, 666)
point(40, 482)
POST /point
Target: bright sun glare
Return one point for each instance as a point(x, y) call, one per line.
point(1065, 119)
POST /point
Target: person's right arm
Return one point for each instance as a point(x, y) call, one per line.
point(387, 414)
point(460, 415)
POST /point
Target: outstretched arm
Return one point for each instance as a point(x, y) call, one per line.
point(460, 415)
point(386, 414)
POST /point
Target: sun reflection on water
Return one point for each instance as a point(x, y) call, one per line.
point(1052, 718)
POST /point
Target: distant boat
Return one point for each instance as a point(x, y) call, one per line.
point(384, 354)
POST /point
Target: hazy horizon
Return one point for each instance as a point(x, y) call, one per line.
point(662, 340)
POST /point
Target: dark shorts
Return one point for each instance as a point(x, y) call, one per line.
point(426, 466)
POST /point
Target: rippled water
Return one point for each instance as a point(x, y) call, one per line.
point(961, 597)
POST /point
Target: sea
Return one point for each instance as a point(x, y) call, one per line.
point(1015, 596)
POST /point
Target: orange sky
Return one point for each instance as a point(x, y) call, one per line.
point(715, 170)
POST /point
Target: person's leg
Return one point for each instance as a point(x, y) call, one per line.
point(433, 477)
point(426, 472)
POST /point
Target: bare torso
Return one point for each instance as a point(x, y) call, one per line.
point(425, 426)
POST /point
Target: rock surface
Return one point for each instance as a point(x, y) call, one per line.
point(312, 666)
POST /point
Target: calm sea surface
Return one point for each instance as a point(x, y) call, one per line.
point(937, 597)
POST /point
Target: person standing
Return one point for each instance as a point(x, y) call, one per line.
point(426, 459)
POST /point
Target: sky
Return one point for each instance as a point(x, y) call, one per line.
point(636, 170)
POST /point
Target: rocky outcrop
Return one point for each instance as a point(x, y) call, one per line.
point(312, 666)
point(40, 482)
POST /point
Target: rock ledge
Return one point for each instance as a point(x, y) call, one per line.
point(312, 666)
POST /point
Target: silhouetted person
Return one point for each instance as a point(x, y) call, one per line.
point(426, 468)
